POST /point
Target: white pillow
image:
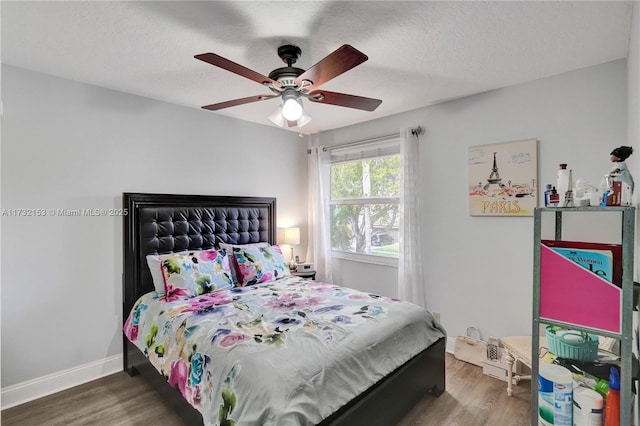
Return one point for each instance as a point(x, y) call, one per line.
point(154, 261)
point(232, 261)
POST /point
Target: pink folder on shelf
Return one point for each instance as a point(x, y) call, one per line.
point(572, 294)
point(615, 250)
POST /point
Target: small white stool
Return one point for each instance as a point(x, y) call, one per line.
point(518, 348)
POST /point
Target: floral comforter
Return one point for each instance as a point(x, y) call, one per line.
point(287, 352)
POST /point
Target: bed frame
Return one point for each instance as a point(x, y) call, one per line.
point(164, 223)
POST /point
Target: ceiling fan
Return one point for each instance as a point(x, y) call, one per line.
point(293, 84)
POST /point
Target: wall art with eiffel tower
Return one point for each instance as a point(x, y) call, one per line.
point(503, 178)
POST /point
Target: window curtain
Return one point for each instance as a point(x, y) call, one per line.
point(410, 272)
point(319, 248)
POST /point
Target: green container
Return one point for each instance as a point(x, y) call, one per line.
point(571, 344)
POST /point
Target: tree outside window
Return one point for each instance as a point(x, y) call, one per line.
point(365, 206)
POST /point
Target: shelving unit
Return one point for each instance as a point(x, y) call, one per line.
point(625, 218)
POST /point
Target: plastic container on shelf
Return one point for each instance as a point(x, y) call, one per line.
point(612, 407)
point(588, 407)
point(604, 189)
point(582, 193)
point(596, 197)
point(572, 344)
point(555, 395)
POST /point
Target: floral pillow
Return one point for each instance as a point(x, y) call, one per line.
point(195, 273)
point(259, 265)
point(229, 248)
point(154, 261)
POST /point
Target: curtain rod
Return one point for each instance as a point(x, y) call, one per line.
point(416, 131)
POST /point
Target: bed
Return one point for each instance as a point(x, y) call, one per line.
point(264, 352)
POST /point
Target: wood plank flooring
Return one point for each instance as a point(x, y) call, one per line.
point(471, 399)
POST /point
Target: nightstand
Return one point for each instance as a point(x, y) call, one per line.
point(310, 275)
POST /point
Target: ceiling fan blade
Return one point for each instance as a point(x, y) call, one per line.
point(243, 71)
point(241, 101)
point(342, 99)
point(341, 60)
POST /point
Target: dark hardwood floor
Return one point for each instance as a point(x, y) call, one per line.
point(471, 399)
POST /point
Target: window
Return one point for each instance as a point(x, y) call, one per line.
point(364, 200)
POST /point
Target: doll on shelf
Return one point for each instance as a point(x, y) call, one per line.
point(620, 171)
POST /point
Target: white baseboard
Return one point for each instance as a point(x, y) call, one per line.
point(52, 383)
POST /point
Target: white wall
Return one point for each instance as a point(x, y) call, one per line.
point(378, 279)
point(633, 81)
point(70, 145)
point(479, 269)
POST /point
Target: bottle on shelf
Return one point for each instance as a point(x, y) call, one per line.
point(602, 387)
point(587, 407)
point(605, 189)
point(596, 197)
point(562, 185)
point(554, 198)
point(612, 406)
point(547, 192)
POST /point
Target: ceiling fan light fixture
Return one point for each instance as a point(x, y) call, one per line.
point(277, 117)
point(291, 105)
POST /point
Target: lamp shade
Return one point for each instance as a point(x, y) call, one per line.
point(303, 120)
point(292, 236)
point(277, 118)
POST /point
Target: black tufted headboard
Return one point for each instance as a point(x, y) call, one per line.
point(164, 223)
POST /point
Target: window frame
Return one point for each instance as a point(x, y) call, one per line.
point(379, 148)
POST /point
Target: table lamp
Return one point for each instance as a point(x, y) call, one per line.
point(292, 238)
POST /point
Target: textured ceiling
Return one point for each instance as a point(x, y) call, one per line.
point(420, 53)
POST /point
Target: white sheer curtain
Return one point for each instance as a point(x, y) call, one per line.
point(410, 273)
point(319, 248)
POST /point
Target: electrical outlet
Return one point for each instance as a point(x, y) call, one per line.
point(436, 316)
